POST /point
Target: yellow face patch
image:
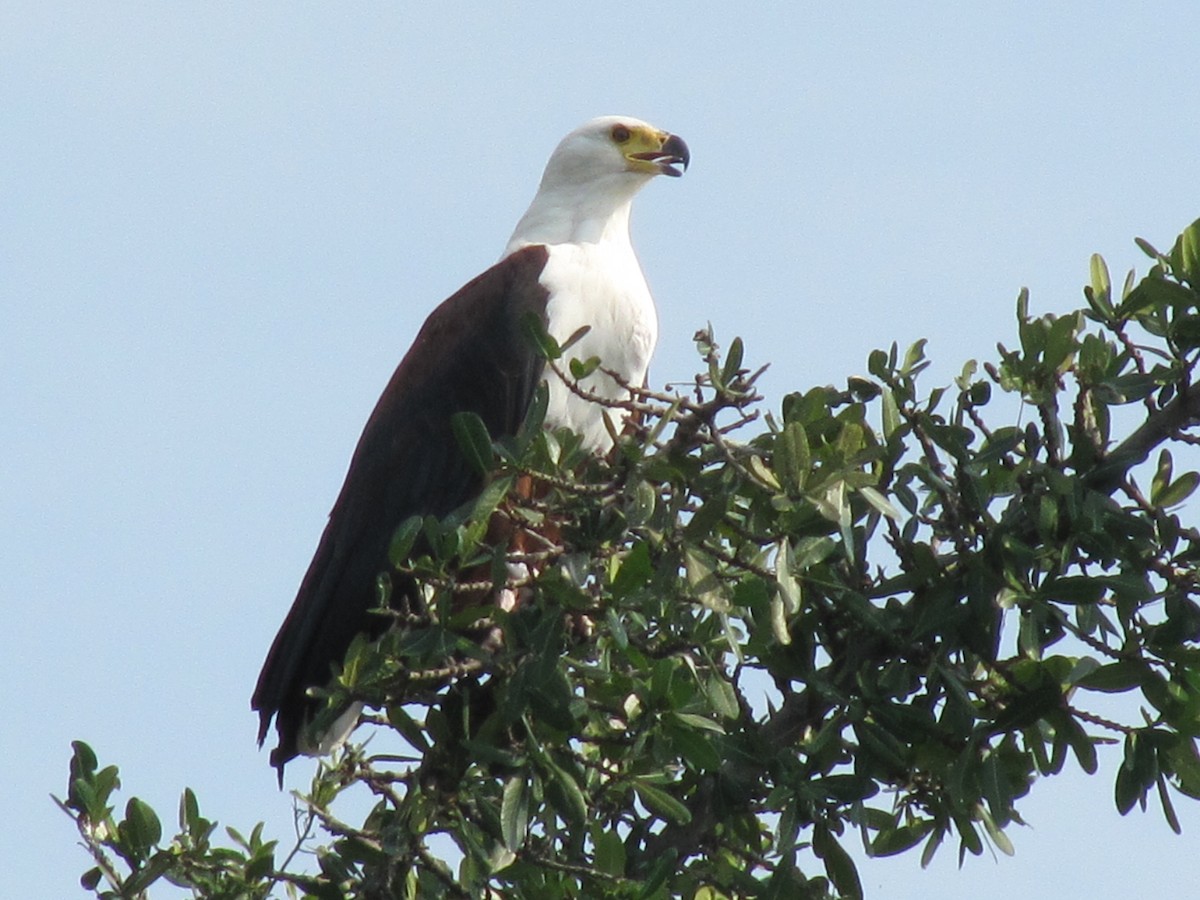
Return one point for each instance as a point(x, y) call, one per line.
point(650, 151)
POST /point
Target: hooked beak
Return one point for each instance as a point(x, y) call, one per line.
point(673, 152)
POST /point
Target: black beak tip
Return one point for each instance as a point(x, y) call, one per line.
point(678, 150)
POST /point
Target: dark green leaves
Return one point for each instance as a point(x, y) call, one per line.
point(1185, 255)
point(403, 540)
point(838, 864)
point(474, 441)
point(140, 830)
point(1166, 492)
point(1117, 677)
point(662, 804)
point(1138, 772)
point(190, 861)
point(879, 611)
point(514, 812)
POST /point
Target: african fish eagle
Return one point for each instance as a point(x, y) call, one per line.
point(570, 263)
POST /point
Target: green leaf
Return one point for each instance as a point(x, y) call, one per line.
point(931, 846)
point(261, 865)
point(1168, 808)
point(838, 864)
point(1060, 342)
point(571, 804)
point(1146, 247)
point(998, 799)
point(104, 783)
point(791, 460)
point(706, 587)
point(1178, 490)
point(403, 539)
point(659, 872)
point(581, 369)
point(480, 518)
point(1081, 743)
point(1074, 589)
point(91, 878)
point(863, 389)
point(722, 697)
point(1185, 760)
point(610, 851)
point(409, 729)
point(999, 838)
point(83, 761)
point(890, 414)
point(698, 750)
point(88, 790)
point(1154, 293)
point(514, 812)
point(1162, 475)
point(810, 551)
point(189, 812)
point(691, 720)
point(642, 502)
point(779, 621)
point(141, 829)
point(1116, 677)
point(1100, 296)
point(535, 329)
point(733, 361)
point(1131, 783)
point(968, 836)
point(575, 337)
point(765, 476)
point(785, 579)
point(914, 358)
point(881, 503)
point(662, 804)
point(474, 441)
point(138, 882)
point(880, 744)
point(635, 570)
point(531, 427)
point(1185, 255)
point(897, 840)
point(879, 365)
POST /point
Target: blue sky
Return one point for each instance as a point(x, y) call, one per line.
point(221, 225)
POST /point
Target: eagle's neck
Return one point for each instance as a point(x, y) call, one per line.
point(595, 288)
point(565, 214)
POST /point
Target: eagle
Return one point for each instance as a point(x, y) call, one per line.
point(571, 265)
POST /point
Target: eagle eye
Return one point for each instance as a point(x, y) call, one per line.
point(620, 134)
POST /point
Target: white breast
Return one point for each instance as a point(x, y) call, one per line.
point(600, 286)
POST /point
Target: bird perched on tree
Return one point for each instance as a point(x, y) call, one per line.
point(570, 264)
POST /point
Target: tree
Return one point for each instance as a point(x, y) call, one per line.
point(753, 636)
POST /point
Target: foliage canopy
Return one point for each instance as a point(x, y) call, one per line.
point(878, 613)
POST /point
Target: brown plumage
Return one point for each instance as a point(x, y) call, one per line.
point(470, 355)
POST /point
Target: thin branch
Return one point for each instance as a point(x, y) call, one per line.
point(1182, 412)
point(1101, 721)
point(571, 869)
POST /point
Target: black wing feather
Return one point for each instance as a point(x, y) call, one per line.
point(470, 355)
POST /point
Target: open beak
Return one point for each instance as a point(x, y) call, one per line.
point(672, 153)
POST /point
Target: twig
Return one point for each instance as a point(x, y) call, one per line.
point(1182, 412)
point(571, 869)
point(1101, 721)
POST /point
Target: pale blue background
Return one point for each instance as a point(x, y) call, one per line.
point(222, 223)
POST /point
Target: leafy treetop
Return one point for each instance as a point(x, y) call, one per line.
point(879, 612)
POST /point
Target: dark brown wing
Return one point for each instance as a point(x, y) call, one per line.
point(471, 354)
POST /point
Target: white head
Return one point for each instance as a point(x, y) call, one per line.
point(592, 176)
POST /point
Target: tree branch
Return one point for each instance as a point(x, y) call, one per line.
point(1180, 413)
